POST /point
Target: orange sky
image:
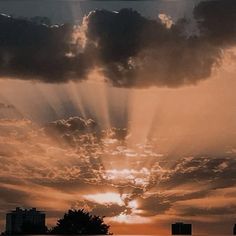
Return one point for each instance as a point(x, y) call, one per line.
point(176, 163)
point(144, 152)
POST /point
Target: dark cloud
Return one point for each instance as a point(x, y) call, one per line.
point(217, 21)
point(136, 51)
point(29, 50)
point(129, 49)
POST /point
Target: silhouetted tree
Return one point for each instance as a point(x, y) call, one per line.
point(80, 222)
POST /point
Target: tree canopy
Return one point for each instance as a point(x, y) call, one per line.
point(80, 222)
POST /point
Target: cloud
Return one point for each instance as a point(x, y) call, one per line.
point(71, 125)
point(108, 210)
point(139, 52)
point(153, 205)
point(217, 21)
point(97, 166)
point(76, 130)
point(214, 172)
point(127, 48)
point(29, 50)
point(197, 186)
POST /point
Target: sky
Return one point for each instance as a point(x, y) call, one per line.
point(61, 11)
point(124, 108)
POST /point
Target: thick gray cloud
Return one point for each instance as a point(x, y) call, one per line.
point(32, 50)
point(129, 49)
point(217, 21)
point(136, 51)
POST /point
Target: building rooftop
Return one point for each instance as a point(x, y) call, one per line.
point(19, 209)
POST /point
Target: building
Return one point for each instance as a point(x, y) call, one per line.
point(180, 228)
point(234, 230)
point(28, 221)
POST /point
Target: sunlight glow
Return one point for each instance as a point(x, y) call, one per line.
point(131, 219)
point(105, 198)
